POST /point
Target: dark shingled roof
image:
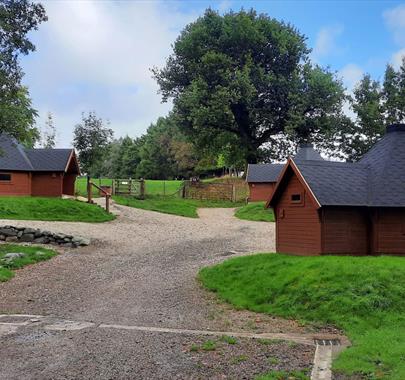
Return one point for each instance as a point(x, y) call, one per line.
point(306, 152)
point(13, 156)
point(336, 183)
point(271, 172)
point(377, 180)
point(263, 172)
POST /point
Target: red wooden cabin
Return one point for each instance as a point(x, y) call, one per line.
point(262, 178)
point(325, 207)
point(38, 172)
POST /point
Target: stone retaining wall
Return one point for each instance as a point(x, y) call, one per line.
point(13, 234)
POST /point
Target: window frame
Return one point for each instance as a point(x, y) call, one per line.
point(6, 181)
point(300, 202)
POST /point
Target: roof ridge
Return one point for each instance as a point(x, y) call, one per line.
point(21, 150)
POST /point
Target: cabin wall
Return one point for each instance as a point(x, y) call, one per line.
point(20, 184)
point(47, 184)
point(345, 230)
point(389, 231)
point(69, 184)
point(298, 225)
point(259, 191)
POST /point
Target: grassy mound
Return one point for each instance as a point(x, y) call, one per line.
point(171, 205)
point(365, 296)
point(256, 212)
point(54, 209)
point(32, 255)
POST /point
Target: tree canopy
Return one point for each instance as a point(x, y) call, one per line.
point(249, 76)
point(92, 138)
point(17, 19)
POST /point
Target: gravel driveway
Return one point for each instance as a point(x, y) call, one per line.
point(140, 270)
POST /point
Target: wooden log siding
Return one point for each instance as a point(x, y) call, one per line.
point(298, 225)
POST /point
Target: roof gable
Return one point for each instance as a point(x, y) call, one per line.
point(377, 180)
point(14, 157)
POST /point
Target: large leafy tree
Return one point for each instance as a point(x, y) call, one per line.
point(393, 94)
point(92, 138)
point(248, 75)
point(369, 124)
point(17, 19)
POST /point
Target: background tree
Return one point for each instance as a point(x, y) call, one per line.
point(92, 138)
point(247, 75)
point(48, 133)
point(17, 19)
point(369, 124)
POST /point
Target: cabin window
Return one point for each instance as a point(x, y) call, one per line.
point(296, 198)
point(5, 177)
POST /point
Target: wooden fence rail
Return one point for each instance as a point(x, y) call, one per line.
point(107, 195)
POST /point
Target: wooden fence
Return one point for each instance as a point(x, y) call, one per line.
point(234, 192)
point(129, 186)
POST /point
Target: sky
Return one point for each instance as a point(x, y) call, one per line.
point(97, 55)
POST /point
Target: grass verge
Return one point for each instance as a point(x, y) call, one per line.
point(283, 375)
point(364, 296)
point(169, 205)
point(256, 212)
point(51, 209)
point(31, 255)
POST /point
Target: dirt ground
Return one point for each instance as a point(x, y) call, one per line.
point(140, 270)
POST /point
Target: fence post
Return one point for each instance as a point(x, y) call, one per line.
point(88, 190)
point(233, 193)
point(107, 202)
point(142, 188)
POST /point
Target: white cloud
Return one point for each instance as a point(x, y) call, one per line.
point(397, 58)
point(325, 43)
point(351, 75)
point(97, 55)
point(224, 6)
point(395, 19)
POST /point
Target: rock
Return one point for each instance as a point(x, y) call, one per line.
point(2, 237)
point(81, 241)
point(67, 245)
point(11, 239)
point(19, 234)
point(38, 233)
point(8, 232)
point(27, 237)
point(9, 257)
point(41, 240)
point(29, 231)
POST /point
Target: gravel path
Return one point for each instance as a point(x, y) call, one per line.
point(140, 270)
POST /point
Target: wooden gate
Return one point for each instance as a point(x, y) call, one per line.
point(131, 187)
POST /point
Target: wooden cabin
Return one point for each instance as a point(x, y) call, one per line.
point(37, 172)
point(325, 207)
point(262, 178)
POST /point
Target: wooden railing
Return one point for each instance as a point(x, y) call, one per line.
point(107, 195)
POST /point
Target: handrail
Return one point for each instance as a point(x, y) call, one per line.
point(106, 193)
point(100, 188)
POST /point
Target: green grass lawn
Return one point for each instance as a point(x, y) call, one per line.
point(364, 296)
point(81, 186)
point(37, 208)
point(157, 187)
point(152, 187)
point(171, 205)
point(255, 211)
point(31, 256)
